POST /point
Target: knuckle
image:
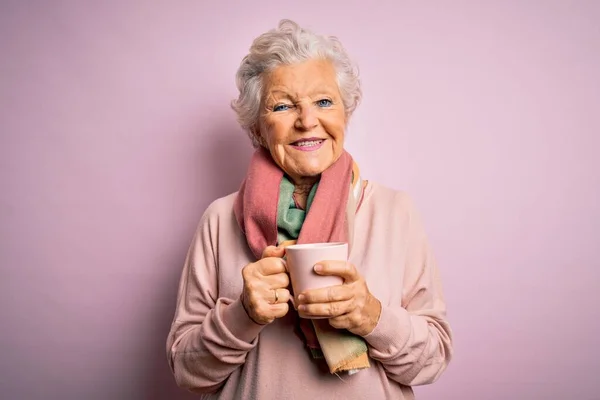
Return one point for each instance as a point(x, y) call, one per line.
point(251, 285)
point(253, 300)
point(349, 291)
point(272, 251)
point(331, 294)
point(354, 320)
point(261, 310)
point(279, 264)
point(284, 294)
point(247, 271)
point(280, 279)
point(352, 307)
point(334, 309)
point(336, 323)
point(263, 265)
point(271, 266)
point(353, 289)
point(267, 251)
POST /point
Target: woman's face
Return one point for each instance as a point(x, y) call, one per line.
point(303, 119)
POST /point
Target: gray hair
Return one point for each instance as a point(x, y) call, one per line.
point(289, 44)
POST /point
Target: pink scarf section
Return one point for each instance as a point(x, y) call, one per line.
point(256, 204)
point(327, 220)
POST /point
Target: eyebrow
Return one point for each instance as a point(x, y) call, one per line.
point(280, 92)
point(321, 90)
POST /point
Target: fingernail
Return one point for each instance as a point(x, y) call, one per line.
point(301, 307)
point(318, 268)
point(301, 298)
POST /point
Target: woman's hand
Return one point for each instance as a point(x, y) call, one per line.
point(265, 294)
point(348, 306)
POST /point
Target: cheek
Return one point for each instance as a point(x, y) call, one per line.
point(275, 132)
point(335, 125)
point(268, 132)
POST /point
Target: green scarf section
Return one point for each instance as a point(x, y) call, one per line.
point(290, 218)
point(341, 346)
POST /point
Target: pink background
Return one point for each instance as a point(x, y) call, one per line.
point(116, 133)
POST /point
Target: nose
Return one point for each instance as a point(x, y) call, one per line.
point(307, 118)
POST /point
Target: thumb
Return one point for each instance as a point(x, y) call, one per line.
point(272, 251)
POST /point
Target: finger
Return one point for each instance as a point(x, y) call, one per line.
point(277, 281)
point(341, 322)
point(271, 266)
point(342, 269)
point(327, 294)
point(272, 251)
point(327, 310)
point(351, 321)
point(283, 295)
point(279, 310)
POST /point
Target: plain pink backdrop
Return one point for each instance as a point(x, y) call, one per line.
point(116, 133)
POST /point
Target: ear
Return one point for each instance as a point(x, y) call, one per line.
point(255, 130)
point(347, 118)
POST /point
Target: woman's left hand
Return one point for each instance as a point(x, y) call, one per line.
point(348, 306)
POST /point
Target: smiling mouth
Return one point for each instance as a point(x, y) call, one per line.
point(306, 143)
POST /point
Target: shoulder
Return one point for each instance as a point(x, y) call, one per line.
point(221, 206)
point(388, 200)
point(393, 209)
point(218, 213)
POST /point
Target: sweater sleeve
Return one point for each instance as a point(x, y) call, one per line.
point(210, 335)
point(413, 340)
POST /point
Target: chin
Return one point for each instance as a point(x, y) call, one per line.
point(313, 171)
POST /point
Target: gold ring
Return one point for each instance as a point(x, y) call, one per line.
point(276, 297)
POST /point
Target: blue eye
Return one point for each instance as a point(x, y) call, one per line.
point(280, 107)
point(324, 103)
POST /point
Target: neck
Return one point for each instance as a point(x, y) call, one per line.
point(302, 189)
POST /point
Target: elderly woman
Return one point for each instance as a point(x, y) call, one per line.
point(236, 334)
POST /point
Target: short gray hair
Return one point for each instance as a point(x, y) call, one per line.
point(290, 44)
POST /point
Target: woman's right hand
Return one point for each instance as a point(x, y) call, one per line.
point(265, 295)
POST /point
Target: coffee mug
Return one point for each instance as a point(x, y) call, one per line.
point(301, 260)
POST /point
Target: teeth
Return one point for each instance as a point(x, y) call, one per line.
point(308, 144)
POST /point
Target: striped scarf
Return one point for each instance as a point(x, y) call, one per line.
point(266, 213)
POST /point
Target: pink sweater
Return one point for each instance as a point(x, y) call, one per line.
point(214, 348)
